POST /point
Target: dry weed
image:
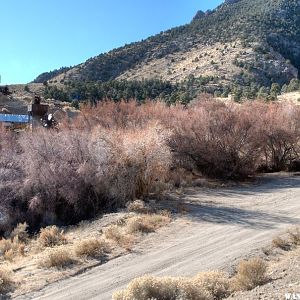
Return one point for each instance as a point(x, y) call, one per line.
point(217, 284)
point(295, 236)
point(10, 249)
point(6, 281)
point(137, 206)
point(250, 274)
point(166, 288)
point(146, 223)
point(137, 225)
point(119, 236)
point(57, 258)
point(51, 236)
point(92, 248)
point(20, 233)
point(280, 243)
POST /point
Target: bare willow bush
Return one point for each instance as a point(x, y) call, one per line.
point(10, 180)
point(118, 152)
point(220, 140)
point(72, 175)
point(279, 134)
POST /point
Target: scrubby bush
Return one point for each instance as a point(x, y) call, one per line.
point(57, 258)
point(64, 177)
point(146, 223)
point(6, 281)
point(9, 249)
point(295, 236)
point(92, 248)
point(279, 134)
point(250, 274)
point(137, 206)
point(20, 233)
point(118, 152)
point(118, 235)
point(51, 236)
point(220, 140)
point(217, 284)
point(166, 288)
point(281, 243)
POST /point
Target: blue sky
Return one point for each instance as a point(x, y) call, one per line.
point(42, 35)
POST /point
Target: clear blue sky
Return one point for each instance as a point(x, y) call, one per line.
point(42, 35)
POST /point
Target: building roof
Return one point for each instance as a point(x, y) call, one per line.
point(14, 118)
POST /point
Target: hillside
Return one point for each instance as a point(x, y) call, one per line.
point(240, 42)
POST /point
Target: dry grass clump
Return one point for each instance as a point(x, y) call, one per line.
point(119, 236)
point(205, 286)
point(146, 223)
point(51, 236)
point(20, 233)
point(295, 236)
point(57, 258)
point(124, 232)
point(280, 243)
point(6, 281)
point(92, 248)
point(250, 274)
point(166, 288)
point(9, 249)
point(138, 206)
point(217, 284)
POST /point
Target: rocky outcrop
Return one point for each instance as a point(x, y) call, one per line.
point(199, 15)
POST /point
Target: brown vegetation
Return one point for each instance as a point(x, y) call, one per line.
point(51, 236)
point(9, 249)
point(125, 232)
point(92, 248)
point(146, 223)
point(204, 286)
point(118, 235)
point(20, 233)
point(217, 284)
point(118, 152)
point(281, 243)
point(250, 274)
point(166, 288)
point(6, 281)
point(57, 258)
point(294, 235)
point(138, 206)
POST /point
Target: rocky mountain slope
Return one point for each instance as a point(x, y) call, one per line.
point(241, 42)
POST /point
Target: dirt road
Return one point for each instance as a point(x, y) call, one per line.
point(222, 226)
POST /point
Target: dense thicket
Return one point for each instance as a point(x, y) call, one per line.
point(120, 151)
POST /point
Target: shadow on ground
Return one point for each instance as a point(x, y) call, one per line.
point(264, 185)
point(202, 204)
point(237, 216)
